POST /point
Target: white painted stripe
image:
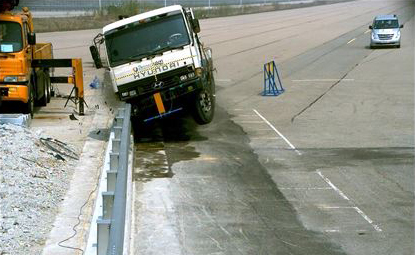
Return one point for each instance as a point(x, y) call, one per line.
point(358, 210)
point(322, 80)
point(367, 31)
point(246, 115)
point(336, 207)
point(250, 122)
point(223, 80)
point(278, 132)
point(265, 138)
point(333, 186)
point(376, 227)
point(351, 40)
point(309, 188)
point(332, 230)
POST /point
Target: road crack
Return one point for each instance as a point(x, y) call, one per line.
point(325, 92)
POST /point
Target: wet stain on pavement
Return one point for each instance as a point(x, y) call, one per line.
point(222, 200)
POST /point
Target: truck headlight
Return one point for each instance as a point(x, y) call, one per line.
point(191, 75)
point(374, 36)
point(199, 72)
point(17, 78)
point(183, 77)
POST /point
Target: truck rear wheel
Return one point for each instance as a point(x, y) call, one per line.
point(42, 83)
point(49, 87)
point(204, 106)
point(30, 105)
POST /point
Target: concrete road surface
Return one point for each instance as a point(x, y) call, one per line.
point(325, 168)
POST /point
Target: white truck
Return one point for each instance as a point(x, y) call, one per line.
point(157, 63)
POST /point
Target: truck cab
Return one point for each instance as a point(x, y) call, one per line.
point(158, 64)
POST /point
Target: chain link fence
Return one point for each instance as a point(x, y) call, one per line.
point(92, 5)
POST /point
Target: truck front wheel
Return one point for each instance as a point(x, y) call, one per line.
point(204, 109)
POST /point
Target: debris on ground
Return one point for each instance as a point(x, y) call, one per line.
point(33, 181)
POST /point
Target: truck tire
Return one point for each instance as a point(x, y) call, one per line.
point(204, 106)
point(30, 105)
point(41, 83)
point(49, 87)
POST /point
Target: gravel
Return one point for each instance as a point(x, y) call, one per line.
point(33, 181)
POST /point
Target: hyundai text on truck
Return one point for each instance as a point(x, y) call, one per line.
point(158, 64)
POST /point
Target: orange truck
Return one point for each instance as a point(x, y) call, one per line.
point(25, 66)
point(19, 79)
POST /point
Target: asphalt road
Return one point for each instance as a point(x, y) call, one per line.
point(325, 168)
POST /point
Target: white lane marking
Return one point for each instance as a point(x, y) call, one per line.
point(333, 186)
point(336, 207)
point(332, 230)
point(376, 227)
point(278, 132)
point(265, 138)
point(358, 210)
point(250, 122)
point(310, 188)
point(246, 115)
point(367, 31)
point(322, 80)
point(351, 40)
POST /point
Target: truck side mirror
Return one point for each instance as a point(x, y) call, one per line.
point(195, 26)
point(401, 26)
point(95, 56)
point(370, 27)
point(31, 38)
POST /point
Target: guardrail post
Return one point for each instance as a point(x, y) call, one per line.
point(117, 132)
point(119, 121)
point(111, 180)
point(103, 235)
point(116, 145)
point(107, 204)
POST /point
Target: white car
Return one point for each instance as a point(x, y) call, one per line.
point(385, 31)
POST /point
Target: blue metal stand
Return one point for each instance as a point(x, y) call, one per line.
point(270, 87)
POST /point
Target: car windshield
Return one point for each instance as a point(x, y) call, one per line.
point(385, 24)
point(146, 38)
point(10, 37)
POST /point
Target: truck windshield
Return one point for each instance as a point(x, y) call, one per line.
point(386, 24)
point(10, 37)
point(145, 38)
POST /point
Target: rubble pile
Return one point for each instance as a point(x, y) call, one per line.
point(33, 180)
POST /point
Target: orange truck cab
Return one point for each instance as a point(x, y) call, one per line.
point(19, 80)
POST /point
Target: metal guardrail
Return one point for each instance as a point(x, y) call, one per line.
point(107, 236)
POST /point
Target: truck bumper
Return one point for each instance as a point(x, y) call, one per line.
point(145, 106)
point(14, 93)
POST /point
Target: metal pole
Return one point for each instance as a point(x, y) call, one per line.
point(209, 4)
point(100, 5)
point(165, 3)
